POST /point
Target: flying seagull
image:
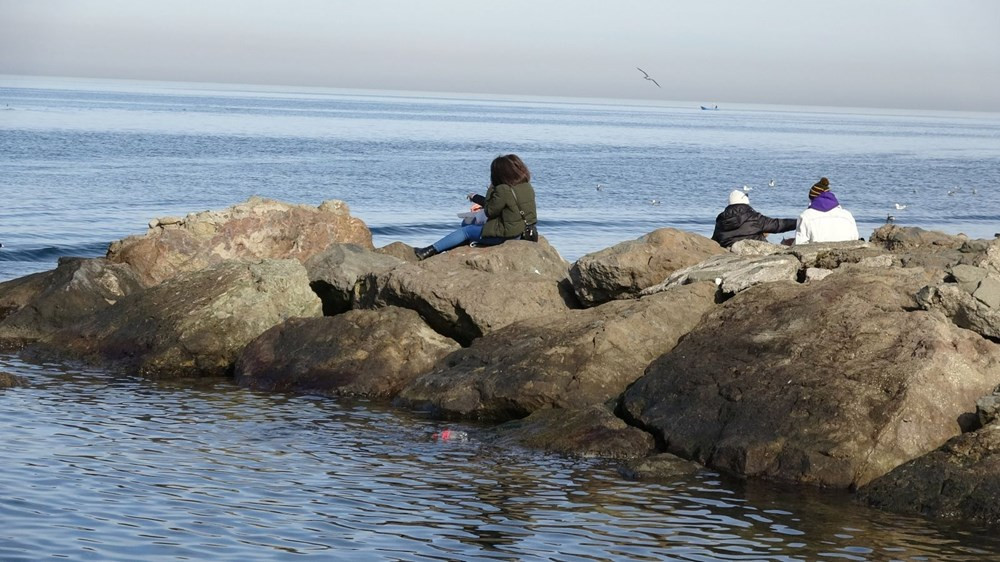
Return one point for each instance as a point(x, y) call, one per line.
point(647, 76)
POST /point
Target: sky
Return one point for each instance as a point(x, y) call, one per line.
point(909, 54)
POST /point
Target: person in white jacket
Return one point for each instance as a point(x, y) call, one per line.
point(825, 220)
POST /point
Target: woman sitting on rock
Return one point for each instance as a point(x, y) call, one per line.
point(739, 221)
point(509, 205)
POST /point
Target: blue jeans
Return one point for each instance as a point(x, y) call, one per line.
point(467, 233)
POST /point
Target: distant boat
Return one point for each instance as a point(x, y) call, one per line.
point(706, 108)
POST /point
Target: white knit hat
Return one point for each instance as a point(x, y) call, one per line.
point(736, 196)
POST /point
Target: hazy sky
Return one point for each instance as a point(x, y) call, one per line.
point(941, 54)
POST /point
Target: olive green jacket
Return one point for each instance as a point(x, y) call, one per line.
point(503, 210)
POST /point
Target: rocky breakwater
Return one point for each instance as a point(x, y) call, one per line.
point(831, 364)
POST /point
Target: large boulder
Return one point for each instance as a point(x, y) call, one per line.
point(467, 292)
point(592, 431)
point(35, 306)
point(197, 323)
point(897, 238)
point(569, 360)
point(625, 269)
point(257, 229)
point(370, 353)
point(335, 274)
point(831, 383)
point(960, 480)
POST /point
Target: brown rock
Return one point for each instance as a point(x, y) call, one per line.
point(587, 432)
point(570, 360)
point(371, 353)
point(833, 383)
point(623, 270)
point(257, 229)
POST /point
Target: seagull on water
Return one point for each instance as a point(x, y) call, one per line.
point(900, 207)
point(747, 188)
point(770, 183)
point(654, 201)
point(647, 76)
point(599, 187)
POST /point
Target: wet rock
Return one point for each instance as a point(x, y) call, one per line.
point(467, 292)
point(335, 274)
point(625, 269)
point(369, 353)
point(35, 306)
point(569, 360)
point(257, 229)
point(592, 431)
point(960, 480)
point(8, 380)
point(663, 466)
point(196, 324)
point(831, 383)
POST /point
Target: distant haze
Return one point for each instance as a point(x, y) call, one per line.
point(884, 53)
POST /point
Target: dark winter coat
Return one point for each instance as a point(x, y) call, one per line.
point(740, 222)
point(504, 205)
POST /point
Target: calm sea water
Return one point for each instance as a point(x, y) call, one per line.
point(104, 467)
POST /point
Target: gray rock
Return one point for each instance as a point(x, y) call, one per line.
point(467, 292)
point(756, 248)
point(587, 432)
point(568, 360)
point(833, 383)
point(369, 353)
point(897, 238)
point(257, 229)
point(35, 306)
point(625, 269)
point(963, 309)
point(960, 480)
point(831, 254)
point(196, 324)
point(988, 408)
point(967, 277)
point(988, 293)
point(734, 273)
point(335, 274)
point(816, 274)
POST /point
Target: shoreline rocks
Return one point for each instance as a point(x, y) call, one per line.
point(848, 365)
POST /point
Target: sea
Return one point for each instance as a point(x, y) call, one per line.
point(108, 466)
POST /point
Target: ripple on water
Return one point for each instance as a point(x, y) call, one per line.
point(110, 467)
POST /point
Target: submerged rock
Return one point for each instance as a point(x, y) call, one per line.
point(195, 324)
point(592, 431)
point(8, 380)
point(833, 383)
point(257, 229)
point(569, 360)
point(624, 270)
point(370, 353)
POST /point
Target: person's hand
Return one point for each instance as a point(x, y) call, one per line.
point(470, 196)
point(475, 207)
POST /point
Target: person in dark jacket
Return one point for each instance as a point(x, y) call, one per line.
point(509, 205)
point(739, 221)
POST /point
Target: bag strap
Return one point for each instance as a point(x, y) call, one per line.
point(517, 203)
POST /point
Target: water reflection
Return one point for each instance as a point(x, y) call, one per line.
point(124, 468)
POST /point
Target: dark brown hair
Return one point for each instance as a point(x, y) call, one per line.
point(508, 169)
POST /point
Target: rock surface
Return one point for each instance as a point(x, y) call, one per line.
point(959, 480)
point(833, 383)
point(35, 306)
point(335, 274)
point(625, 269)
point(195, 324)
point(7, 380)
point(663, 466)
point(468, 292)
point(971, 300)
point(256, 229)
point(369, 353)
point(734, 273)
point(571, 360)
point(592, 431)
